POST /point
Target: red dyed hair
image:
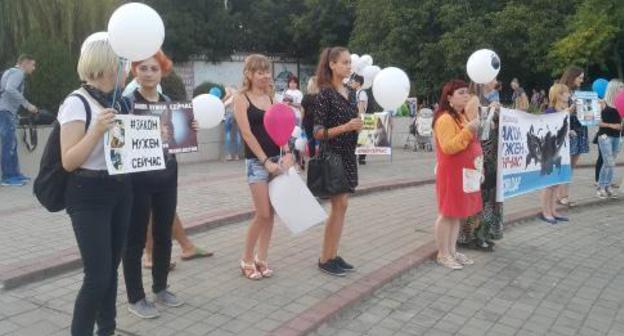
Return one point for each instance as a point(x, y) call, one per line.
point(165, 63)
point(444, 105)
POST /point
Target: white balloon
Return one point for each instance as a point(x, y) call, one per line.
point(99, 36)
point(136, 31)
point(208, 110)
point(300, 144)
point(296, 133)
point(367, 59)
point(359, 67)
point(370, 72)
point(391, 88)
point(354, 59)
point(483, 66)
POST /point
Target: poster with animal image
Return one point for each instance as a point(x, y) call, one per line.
point(533, 152)
point(587, 107)
point(133, 145)
point(175, 119)
point(375, 138)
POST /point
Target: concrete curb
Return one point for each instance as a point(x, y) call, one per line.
point(315, 316)
point(66, 260)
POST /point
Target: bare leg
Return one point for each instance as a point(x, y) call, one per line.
point(333, 227)
point(442, 234)
point(264, 240)
point(149, 245)
point(180, 236)
point(453, 234)
point(262, 218)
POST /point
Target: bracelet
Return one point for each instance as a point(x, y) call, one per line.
point(265, 161)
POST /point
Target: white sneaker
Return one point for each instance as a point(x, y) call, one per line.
point(611, 192)
point(602, 193)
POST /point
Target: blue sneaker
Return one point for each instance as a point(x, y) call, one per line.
point(13, 182)
point(21, 177)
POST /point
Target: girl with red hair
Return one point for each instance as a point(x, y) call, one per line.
point(155, 194)
point(458, 171)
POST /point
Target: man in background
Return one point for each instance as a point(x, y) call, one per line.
point(12, 98)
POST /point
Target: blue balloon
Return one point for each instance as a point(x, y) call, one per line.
point(215, 91)
point(600, 87)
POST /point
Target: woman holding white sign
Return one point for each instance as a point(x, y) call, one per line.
point(559, 97)
point(155, 194)
point(262, 161)
point(459, 170)
point(97, 203)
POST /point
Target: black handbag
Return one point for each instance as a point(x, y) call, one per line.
point(326, 174)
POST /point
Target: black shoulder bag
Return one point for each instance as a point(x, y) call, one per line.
point(326, 174)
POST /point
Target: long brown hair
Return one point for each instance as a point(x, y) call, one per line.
point(323, 71)
point(570, 75)
point(253, 63)
point(444, 105)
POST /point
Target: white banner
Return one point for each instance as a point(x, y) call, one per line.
point(134, 145)
point(533, 152)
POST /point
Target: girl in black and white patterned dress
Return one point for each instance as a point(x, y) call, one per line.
point(336, 118)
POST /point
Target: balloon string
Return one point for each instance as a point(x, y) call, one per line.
point(119, 70)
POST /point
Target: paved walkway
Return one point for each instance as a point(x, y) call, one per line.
point(542, 280)
point(32, 237)
point(381, 227)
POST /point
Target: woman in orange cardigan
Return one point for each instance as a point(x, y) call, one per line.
point(459, 170)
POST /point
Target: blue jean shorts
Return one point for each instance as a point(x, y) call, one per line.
point(255, 171)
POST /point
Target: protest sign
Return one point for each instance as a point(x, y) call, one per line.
point(177, 135)
point(533, 152)
point(294, 203)
point(587, 107)
point(375, 138)
point(134, 145)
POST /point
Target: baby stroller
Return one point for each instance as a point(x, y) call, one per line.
point(420, 131)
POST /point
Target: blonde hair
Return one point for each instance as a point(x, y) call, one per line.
point(254, 63)
point(554, 92)
point(614, 87)
point(97, 59)
point(312, 87)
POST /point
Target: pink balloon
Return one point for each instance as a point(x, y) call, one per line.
point(279, 121)
point(619, 103)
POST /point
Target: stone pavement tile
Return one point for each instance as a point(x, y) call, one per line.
point(218, 296)
point(559, 300)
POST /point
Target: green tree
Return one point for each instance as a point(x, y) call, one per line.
point(595, 37)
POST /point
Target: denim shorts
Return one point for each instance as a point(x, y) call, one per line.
point(255, 171)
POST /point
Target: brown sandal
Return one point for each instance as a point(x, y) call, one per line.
point(250, 271)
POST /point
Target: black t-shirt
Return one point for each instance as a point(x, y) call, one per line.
point(610, 115)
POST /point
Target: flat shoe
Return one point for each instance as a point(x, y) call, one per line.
point(547, 220)
point(562, 219)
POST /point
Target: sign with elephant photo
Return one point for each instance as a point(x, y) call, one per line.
point(176, 121)
point(134, 145)
point(533, 152)
point(375, 138)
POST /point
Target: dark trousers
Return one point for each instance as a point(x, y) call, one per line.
point(99, 208)
point(162, 206)
point(598, 166)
